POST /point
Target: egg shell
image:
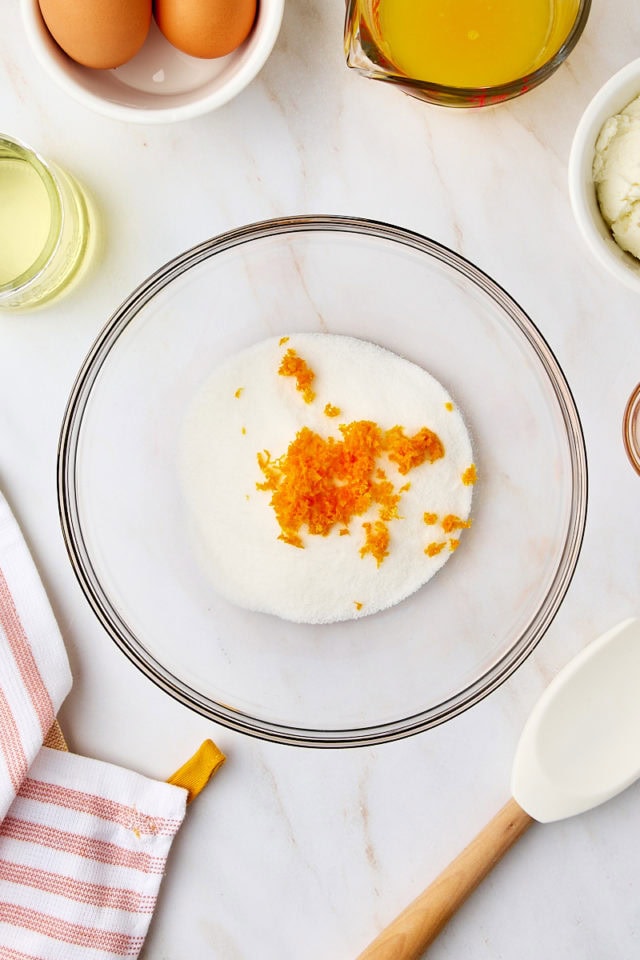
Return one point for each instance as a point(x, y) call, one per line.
point(98, 33)
point(205, 28)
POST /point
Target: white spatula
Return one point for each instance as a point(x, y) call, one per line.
point(580, 747)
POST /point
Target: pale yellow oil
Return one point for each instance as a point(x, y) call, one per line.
point(25, 217)
point(470, 43)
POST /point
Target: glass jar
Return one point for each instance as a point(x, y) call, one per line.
point(44, 227)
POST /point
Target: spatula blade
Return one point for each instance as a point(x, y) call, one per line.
point(581, 743)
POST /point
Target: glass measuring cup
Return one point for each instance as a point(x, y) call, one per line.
point(462, 53)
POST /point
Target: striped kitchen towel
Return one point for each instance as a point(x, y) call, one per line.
point(83, 843)
point(34, 670)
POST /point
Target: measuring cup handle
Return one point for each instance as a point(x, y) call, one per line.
point(409, 935)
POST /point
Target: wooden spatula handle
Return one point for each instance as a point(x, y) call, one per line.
point(409, 935)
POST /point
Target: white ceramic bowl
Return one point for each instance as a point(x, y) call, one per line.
point(609, 100)
point(160, 84)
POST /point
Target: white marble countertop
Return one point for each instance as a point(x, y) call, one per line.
point(303, 854)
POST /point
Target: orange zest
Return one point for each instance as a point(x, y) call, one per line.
point(376, 541)
point(470, 475)
point(409, 452)
point(451, 523)
point(331, 411)
point(323, 481)
point(433, 549)
point(294, 366)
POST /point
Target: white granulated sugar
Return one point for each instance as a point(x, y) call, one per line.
point(247, 407)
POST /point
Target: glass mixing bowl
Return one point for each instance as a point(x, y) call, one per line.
point(125, 520)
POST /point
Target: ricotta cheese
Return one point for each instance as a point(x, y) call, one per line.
point(616, 174)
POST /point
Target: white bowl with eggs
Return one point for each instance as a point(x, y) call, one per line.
point(159, 83)
point(616, 94)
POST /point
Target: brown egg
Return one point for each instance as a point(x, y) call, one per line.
point(205, 28)
point(98, 33)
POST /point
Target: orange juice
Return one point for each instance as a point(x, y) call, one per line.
point(470, 43)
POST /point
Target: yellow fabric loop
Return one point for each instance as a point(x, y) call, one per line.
point(195, 774)
point(55, 738)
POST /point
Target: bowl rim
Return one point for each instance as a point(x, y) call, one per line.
point(271, 22)
point(230, 717)
point(608, 100)
point(630, 428)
